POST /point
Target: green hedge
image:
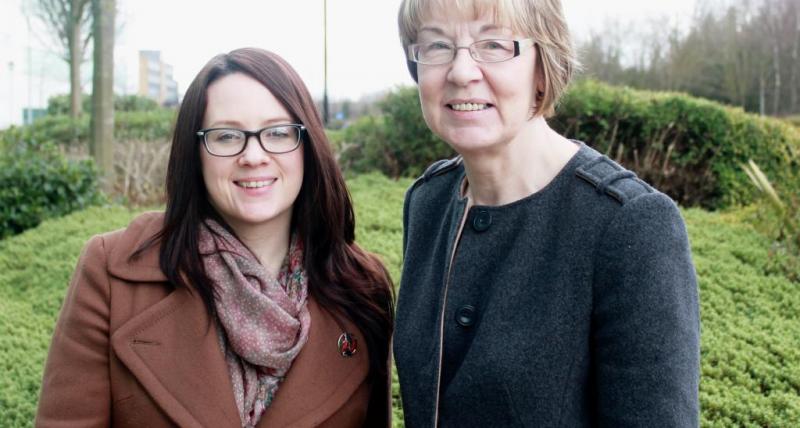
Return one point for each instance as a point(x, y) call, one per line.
point(38, 183)
point(750, 343)
point(690, 148)
point(65, 131)
point(60, 104)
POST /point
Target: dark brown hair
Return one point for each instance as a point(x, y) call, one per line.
point(343, 278)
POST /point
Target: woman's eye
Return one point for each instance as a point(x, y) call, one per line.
point(228, 136)
point(225, 136)
point(277, 133)
point(438, 46)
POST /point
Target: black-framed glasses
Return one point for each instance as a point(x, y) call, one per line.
point(276, 139)
point(490, 50)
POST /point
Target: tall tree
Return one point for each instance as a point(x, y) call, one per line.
point(741, 52)
point(68, 23)
point(102, 121)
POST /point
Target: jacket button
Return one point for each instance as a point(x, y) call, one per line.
point(465, 316)
point(481, 220)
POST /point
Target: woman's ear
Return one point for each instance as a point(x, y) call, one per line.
point(539, 83)
point(539, 78)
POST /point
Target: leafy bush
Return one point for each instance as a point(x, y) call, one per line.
point(38, 183)
point(67, 132)
point(750, 345)
point(59, 104)
point(778, 216)
point(363, 147)
point(398, 143)
point(134, 103)
point(688, 147)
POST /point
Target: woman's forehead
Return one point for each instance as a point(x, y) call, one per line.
point(442, 12)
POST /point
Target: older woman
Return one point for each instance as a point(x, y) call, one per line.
point(543, 284)
point(247, 303)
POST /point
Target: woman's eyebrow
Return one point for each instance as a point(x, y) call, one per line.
point(233, 123)
point(435, 30)
point(494, 28)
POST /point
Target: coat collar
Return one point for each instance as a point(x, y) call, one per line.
point(144, 268)
point(172, 348)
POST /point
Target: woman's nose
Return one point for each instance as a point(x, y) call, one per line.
point(253, 154)
point(464, 69)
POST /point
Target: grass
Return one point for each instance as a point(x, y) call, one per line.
point(751, 331)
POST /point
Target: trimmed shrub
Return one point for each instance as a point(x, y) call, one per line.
point(750, 348)
point(688, 147)
point(66, 132)
point(750, 366)
point(35, 269)
point(38, 183)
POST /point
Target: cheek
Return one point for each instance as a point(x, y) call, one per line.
point(428, 102)
point(295, 168)
point(212, 170)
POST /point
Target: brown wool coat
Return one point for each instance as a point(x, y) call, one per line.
point(131, 351)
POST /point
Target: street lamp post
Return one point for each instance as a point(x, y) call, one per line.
point(325, 67)
point(10, 93)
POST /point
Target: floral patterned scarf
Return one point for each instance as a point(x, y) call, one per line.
point(263, 320)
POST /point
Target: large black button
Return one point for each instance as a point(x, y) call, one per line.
point(465, 315)
point(481, 220)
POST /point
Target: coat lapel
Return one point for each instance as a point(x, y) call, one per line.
point(320, 381)
point(172, 349)
point(170, 346)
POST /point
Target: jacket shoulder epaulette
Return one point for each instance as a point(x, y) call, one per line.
point(437, 168)
point(440, 167)
point(609, 178)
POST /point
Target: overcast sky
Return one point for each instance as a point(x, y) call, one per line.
point(364, 54)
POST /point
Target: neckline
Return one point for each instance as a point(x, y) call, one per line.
point(565, 171)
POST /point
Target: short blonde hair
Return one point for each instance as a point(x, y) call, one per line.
point(542, 20)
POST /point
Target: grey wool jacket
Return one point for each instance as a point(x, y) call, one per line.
point(576, 306)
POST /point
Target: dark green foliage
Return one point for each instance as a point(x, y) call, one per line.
point(750, 367)
point(750, 334)
point(398, 143)
point(59, 105)
point(64, 131)
point(35, 268)
point(37, 183)
point(363, 147)
point(687, 147)
point(690, 148)
point(134, 103)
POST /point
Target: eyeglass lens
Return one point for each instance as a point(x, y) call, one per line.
point(228, 142)
point(439, 52)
